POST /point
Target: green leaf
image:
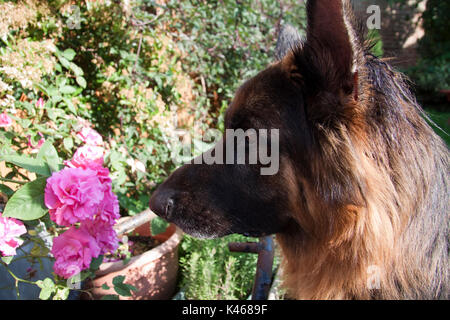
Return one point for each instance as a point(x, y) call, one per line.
point(69, 54)
point(121, 288)
point(105, 286)
point(39, 248)
point(158, 225)
point(67, 89)
point(81, 81)
point(65, 63)
point(55, 99)
point(27, 203)
point(49, 154)
point(61, 294)
point(6, 190)
point(80, 277)
point(26, 123)
point(76, 69)
point(7, 259)
point(95, 263)
point(33, 165)
point(47, 288)
point(201, 146)
point(61, 81)
point(131, 287)
point(70, 106)
point(126, 260)
point(68, 143)
point(118, 280)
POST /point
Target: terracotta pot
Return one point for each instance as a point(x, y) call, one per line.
point(153, 273)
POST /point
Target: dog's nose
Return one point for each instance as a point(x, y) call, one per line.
point(162, 203)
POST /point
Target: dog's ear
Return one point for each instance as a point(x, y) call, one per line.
point(327, 61)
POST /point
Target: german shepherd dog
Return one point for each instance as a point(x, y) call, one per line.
point(359, 205)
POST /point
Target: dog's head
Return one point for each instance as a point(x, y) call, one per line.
point(304, 94)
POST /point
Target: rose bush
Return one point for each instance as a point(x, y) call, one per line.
point(74, 202)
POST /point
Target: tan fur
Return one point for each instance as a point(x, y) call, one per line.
point(348, 245)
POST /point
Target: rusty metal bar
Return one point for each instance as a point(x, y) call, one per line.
point(263, 276)
point(247, 247)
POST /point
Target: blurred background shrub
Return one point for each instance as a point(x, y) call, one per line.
point(432, 71)
point(430, 75)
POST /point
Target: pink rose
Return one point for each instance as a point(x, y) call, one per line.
point(40, 103)
point(73, 251)
point(35, 148)
point(110, 205)
point(90, 136)
point(104, 234)
point(74, 194)
point(10, 231)
point(81, 194)
point(103, 174)
point(109, 208)
point(5, 120)
point(86, 157)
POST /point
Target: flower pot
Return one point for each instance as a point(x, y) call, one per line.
point(153, 273)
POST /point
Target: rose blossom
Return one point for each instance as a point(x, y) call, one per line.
point(86, 157)
point(73, 251)
point(35, 148)
point(40, 103)
point(5, 120)
point(109, 208)
point(10, 230)
point(90, 136)
point(104, 234)
point(79, 194)
point(73, 195)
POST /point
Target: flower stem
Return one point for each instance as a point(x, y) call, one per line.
point(13, 181)
point(16, 278)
